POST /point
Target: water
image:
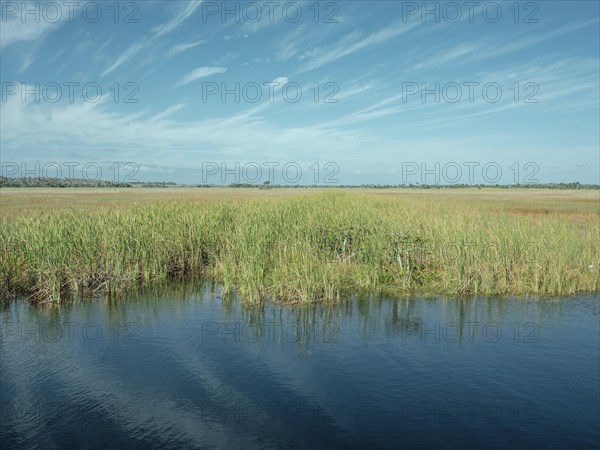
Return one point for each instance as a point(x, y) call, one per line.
point(187, 370)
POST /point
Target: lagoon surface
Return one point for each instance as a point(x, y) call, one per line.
point(185, 369)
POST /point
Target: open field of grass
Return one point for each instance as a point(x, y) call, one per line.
point(299, 244)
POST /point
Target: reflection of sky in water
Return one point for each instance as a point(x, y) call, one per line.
point(180, 369)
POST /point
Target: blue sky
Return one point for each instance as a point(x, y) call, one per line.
point(368, 74)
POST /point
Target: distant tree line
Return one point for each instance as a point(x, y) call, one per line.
point(80, 182)
point(76, 182)
point(575, 185)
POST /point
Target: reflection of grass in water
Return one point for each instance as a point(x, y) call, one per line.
point(308, 247)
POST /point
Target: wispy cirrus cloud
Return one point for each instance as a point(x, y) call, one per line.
point(157, 33)
point(445, 56)
point(200, 72)
point(351, 43)
point(491, 48)
point(167, 112)
point(560, 85)
point(180, 48)
point(14, 30)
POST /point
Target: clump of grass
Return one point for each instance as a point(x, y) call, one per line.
point(301, 248)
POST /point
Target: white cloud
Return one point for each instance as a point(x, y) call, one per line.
point(172, 24)
point(13, 31)
point(155, 137)
point(179, 48)
point(492, 48)
point(352, 43)
point(158, 32)
point(168, 112)
point(130, 52)
point(280, 81)
point(229, 37)
point(200, 72)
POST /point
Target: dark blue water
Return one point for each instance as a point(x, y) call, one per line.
point(187, 370)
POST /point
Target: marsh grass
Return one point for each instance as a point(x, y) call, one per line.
point(321, 246)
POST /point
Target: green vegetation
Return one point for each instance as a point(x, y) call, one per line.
point(314, 246)
point(75, 182)
point(38, 182)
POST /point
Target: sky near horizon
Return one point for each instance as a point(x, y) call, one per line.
point(349, 92)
